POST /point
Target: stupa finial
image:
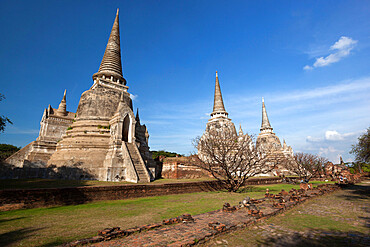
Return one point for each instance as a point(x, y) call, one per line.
point(265, 120)
point(111, 66)
point(62, 109)
point(218, 103)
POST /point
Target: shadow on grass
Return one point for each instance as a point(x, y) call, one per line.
point(7, 220)
point(367, 221)
point(12, 237)
point(52, 244)
point(357, 192)
point(32, 176)
point(319, 238)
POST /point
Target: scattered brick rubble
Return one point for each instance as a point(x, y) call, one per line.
point(202, 227)
point(228, 208)
point(217, 226)
point(183, 218)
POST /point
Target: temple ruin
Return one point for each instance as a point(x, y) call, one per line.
point(219, 116)
point(104, 138)
point(269, 143)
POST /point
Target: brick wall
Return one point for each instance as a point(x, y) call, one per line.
point(32, 198)
point(179, 168)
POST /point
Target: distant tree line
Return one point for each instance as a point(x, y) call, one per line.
point(7, 150)
point(156, 154)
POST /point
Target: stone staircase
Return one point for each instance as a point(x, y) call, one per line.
point(137, 161)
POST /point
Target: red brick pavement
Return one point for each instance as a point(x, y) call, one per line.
point(213, 223)
point(186, 234)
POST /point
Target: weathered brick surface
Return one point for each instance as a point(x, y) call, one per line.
point(202, 227)
point(32, 198)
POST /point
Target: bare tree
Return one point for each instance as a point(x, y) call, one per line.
point(321, 163)
point(307, 165)
point(229, 158)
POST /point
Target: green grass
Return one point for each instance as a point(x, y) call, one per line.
point(273, 188)
point(55, 183)
point(57, 225)
point(337, 219)
point(321, 182)
point(300, 222)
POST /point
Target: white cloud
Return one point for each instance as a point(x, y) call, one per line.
point(321, 61)
point(328, 151)
point(332, 135)
point(331, 144)
point(205, 116)
point(343, 43)
point(346, 87)
point(341, 48)
point(133, 96)
point(313, 139)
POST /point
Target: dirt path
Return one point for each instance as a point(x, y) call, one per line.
point(338, 219)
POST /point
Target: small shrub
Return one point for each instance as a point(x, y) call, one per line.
point(103, 127)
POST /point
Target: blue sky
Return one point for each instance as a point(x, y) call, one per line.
point(309, 59)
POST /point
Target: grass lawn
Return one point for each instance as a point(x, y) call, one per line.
point(57, 225)
point(338, 219)
point(55, 183)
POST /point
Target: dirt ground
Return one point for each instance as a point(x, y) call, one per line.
point(338, 219)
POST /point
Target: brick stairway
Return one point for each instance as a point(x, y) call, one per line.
point(138, 162)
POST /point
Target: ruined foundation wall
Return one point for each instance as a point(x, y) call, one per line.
point(32, 198)
point(178, 170)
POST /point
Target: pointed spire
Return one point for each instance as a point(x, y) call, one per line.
point(62, 109)
point(341, 160)
point(284, 144)
point(111, 66)
point(50, 110)
point(240, 130)
point(218, 103)
point(137, 118)
point(45, 115)
point(265, 120)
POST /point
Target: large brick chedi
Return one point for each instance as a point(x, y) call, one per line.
point(268, 142)
point(105, 139)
